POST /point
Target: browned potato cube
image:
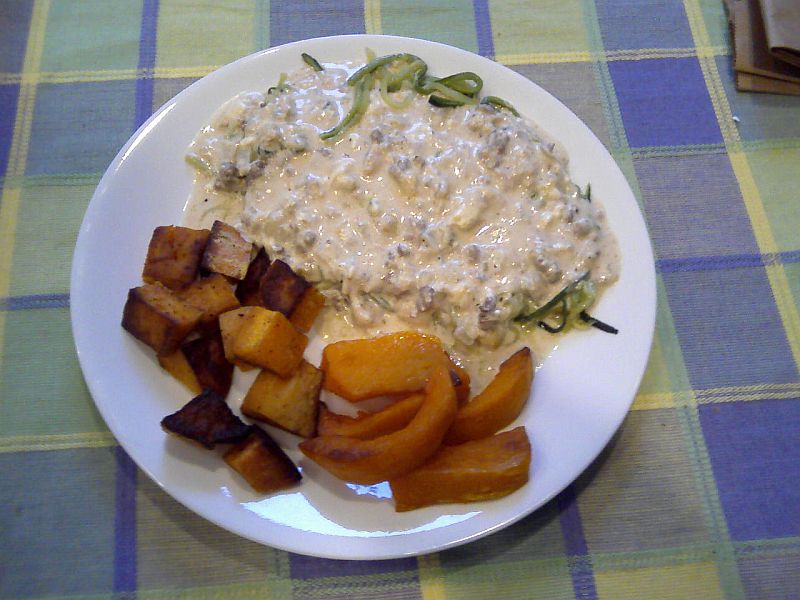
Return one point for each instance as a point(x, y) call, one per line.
point(201, 364)
point(290, 404)
point(248, 289)
point(268, 340)
point(206, 357)
point(229, 324)
point(173, 257)
point(227, 252)
point(307, 309)
point(281, 288)
point(213, 295)
point(177, 366)
point(208, 420)
point(158, 317)
point(263, 463)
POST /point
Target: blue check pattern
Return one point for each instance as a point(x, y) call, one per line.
point(697, 496)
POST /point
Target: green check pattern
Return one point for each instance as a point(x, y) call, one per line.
point(698, 496)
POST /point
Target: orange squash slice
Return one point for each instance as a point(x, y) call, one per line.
point(479, 470)
point(369, 426)
point(499, 404)
point(392, 455)
point(397, 363)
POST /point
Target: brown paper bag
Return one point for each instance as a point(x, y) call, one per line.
point(750, 44)
point(782, 26)
point(757, 69)
point(747, 82)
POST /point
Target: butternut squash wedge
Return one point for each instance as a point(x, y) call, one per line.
point(397, 363)
point(392, 455)
point(478, 470)
point(369, 426)
point(499, 404)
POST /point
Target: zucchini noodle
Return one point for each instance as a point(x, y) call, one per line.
point(562, 312)
point(499, 103)
point(279, 87)
point(311, 61)
point(387, 98)
point(567, 309)
point(394, 72)
point(357, 110)
point(417, 68)
point(451, 96)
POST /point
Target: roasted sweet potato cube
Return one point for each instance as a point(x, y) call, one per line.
point(207, 420)
point(227, 252)
point(213, 295)
point(229, 324)
point(281, 288)
point(177, 366)
point(156, 316)
point(268, 340)
point(307, 309)
point(479, 470)
point(263, 463)
point(248, 289)
point(201, 364)
point(206, 357)
point(289, 403)
point(174, 254)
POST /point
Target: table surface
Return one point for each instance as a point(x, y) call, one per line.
point(698, 496)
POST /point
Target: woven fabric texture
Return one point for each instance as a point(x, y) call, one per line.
point(697, 496)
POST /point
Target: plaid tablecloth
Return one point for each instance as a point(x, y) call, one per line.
point(698, 496)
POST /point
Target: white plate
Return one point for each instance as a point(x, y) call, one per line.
point(580, 395)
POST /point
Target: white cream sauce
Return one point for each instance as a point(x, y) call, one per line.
point(449, 221)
